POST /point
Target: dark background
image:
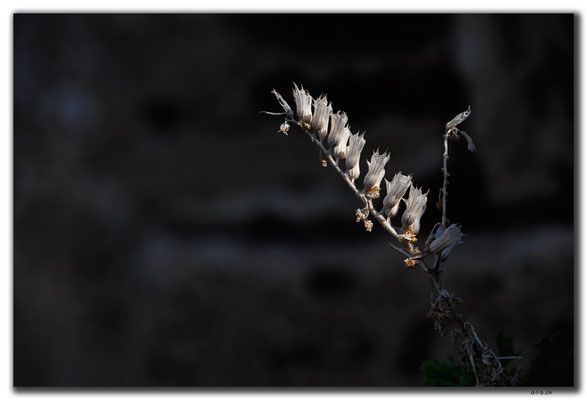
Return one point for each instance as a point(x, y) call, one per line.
point(164, 234)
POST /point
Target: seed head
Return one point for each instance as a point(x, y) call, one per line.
point(303, 104)
point(337, 124)
point(322, 111)
point(341, 149)
point(356, 144)
point(375, 174)
point(396, 189)
point(415, 207)
point(445, 240)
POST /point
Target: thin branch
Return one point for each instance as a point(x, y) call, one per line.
point(472, 361)
point(445, 174)
point(405, 253)
point(272, 113)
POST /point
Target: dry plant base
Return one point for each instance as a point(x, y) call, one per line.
point(341, 149)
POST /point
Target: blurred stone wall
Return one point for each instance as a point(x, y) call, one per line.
point(165, 235)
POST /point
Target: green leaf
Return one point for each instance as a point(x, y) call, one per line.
point(449, 373)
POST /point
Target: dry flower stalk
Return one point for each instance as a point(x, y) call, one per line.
point(343, 145)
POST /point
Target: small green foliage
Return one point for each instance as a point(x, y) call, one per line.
point(449, 373)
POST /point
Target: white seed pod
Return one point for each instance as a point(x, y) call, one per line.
point(396, 189)
point(458, 119)
point(322, 111)
point(341, 149)
point(415, 207)
point(303, 104)
point(356, 144)
point(375, 174)
point(337, 124)
point(450, 237)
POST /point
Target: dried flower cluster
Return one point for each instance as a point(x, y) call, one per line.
point(342, 149)
point(331, 131)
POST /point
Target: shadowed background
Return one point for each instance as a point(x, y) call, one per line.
point(164, 234)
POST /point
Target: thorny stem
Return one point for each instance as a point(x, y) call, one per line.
point(464, 329)
point(443, 195)
point(445, 174)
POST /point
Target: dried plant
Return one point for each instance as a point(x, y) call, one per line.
point(341, 149)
